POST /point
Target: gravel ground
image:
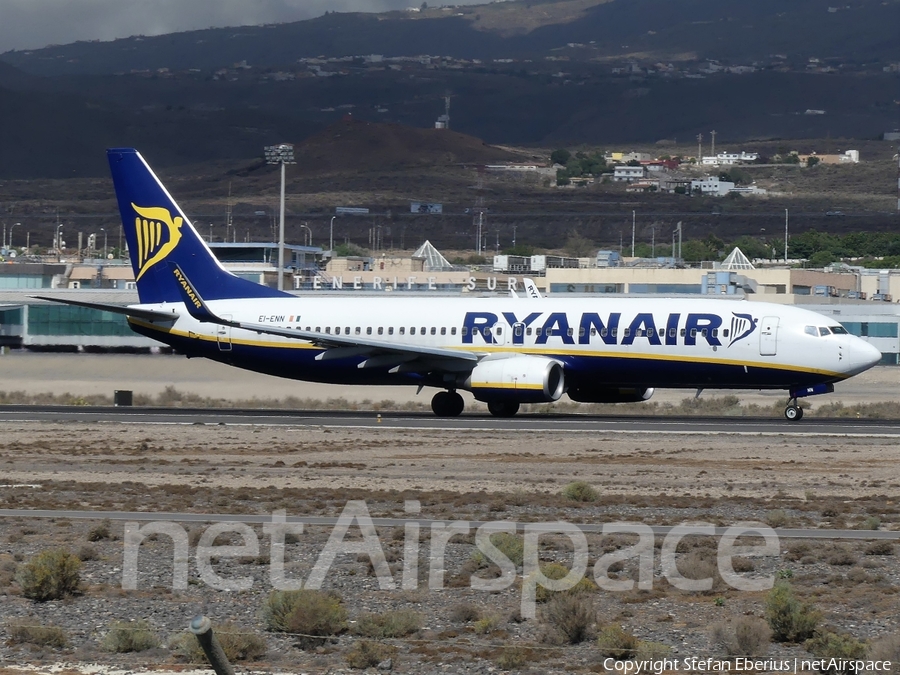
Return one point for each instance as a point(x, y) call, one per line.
point(807, 482)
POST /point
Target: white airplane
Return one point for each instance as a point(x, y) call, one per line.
point(506, 351)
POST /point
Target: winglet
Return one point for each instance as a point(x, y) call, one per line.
point(531, 289)
point(195, 305)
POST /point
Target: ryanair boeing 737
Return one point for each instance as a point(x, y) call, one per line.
point(506, 351)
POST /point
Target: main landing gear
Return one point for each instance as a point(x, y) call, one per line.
point(447, 404)
point(793, 412)
point(503, 408)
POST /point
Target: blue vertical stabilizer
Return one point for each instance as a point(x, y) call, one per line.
point(161, 239)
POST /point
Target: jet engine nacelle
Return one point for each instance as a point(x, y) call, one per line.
point(587, 394)
point(519, 379)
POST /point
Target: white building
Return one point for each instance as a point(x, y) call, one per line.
point(628, 174)
point(722, 158)
point(711, 185)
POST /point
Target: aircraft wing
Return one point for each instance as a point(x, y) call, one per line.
point(147, 314)
point(365, 345)
point(337, 346)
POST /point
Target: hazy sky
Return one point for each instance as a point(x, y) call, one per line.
point(30, 24)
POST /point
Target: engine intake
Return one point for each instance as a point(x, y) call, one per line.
point(520, 379)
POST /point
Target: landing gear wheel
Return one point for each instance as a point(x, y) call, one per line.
point(793, 413)
point(503, 409)
point(447, 404)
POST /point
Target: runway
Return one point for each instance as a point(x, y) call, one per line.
point(573, 423)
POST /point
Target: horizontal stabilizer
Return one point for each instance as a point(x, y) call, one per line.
point(146, 314)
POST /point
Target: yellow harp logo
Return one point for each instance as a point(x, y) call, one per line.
point(157, 235)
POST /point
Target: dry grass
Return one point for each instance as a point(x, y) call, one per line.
point(725, 405)
point(391, 624)
point(31, 631)
point(745, 636)
point(367, 654)
point(239, 644)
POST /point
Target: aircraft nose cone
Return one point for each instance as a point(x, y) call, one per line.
point(862, 356)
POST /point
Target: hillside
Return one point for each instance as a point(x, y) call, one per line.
point(860, 31)
point(525, 73)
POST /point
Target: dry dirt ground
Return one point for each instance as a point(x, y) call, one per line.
point(464, 476)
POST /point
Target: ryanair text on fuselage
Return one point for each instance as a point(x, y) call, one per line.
point(570, 329)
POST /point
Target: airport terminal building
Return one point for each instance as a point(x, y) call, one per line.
point(860, 299)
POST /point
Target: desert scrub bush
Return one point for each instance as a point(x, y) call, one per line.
point(556, 571)
point(651, 651)
point(869, 523)
point(129, 636)
point(880, 548)
point(617, 643)
point(50, 575)
point(798, 550)
point(569, 618)
point(486, 624)
point(510, 545)
point(392, 624)
point(790, 619)
point(239, 644)
point(86, 553)
point(701, 565)
point(776, 518)
point(828, 645)
point(513, 657)
point(30, 631)
point(367, 654)
point(579, 491)
point(100, 532)
point(464, 612)
point(311, 614)
point(841, 556)
point(745, 636)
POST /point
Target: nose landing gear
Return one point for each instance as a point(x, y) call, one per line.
point(447, 404)
point(793, 412)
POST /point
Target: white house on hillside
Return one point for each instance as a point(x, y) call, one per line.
point(628, 174)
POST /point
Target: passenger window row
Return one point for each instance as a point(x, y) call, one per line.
point(486, 331)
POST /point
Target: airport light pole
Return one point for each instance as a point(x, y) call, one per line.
point(305, 226)
point(11, 228)
point(103, 230)
point(280, 154)
point(331, 237)
point(59, 242)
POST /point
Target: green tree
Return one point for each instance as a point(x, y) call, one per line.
point(573, 168)
point(560, 156)
point(822, 258)
point(812, 161)
point(578, 246)
point(752, 247)
point(519, 249)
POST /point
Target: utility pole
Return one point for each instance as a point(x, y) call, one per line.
point(713, 150)
point(699, 148)
point(479, 210)
point(785, 235)
point(632, 232)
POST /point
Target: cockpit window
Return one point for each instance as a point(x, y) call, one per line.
point(838, 330)
point(824, 330)
point(811, 330)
